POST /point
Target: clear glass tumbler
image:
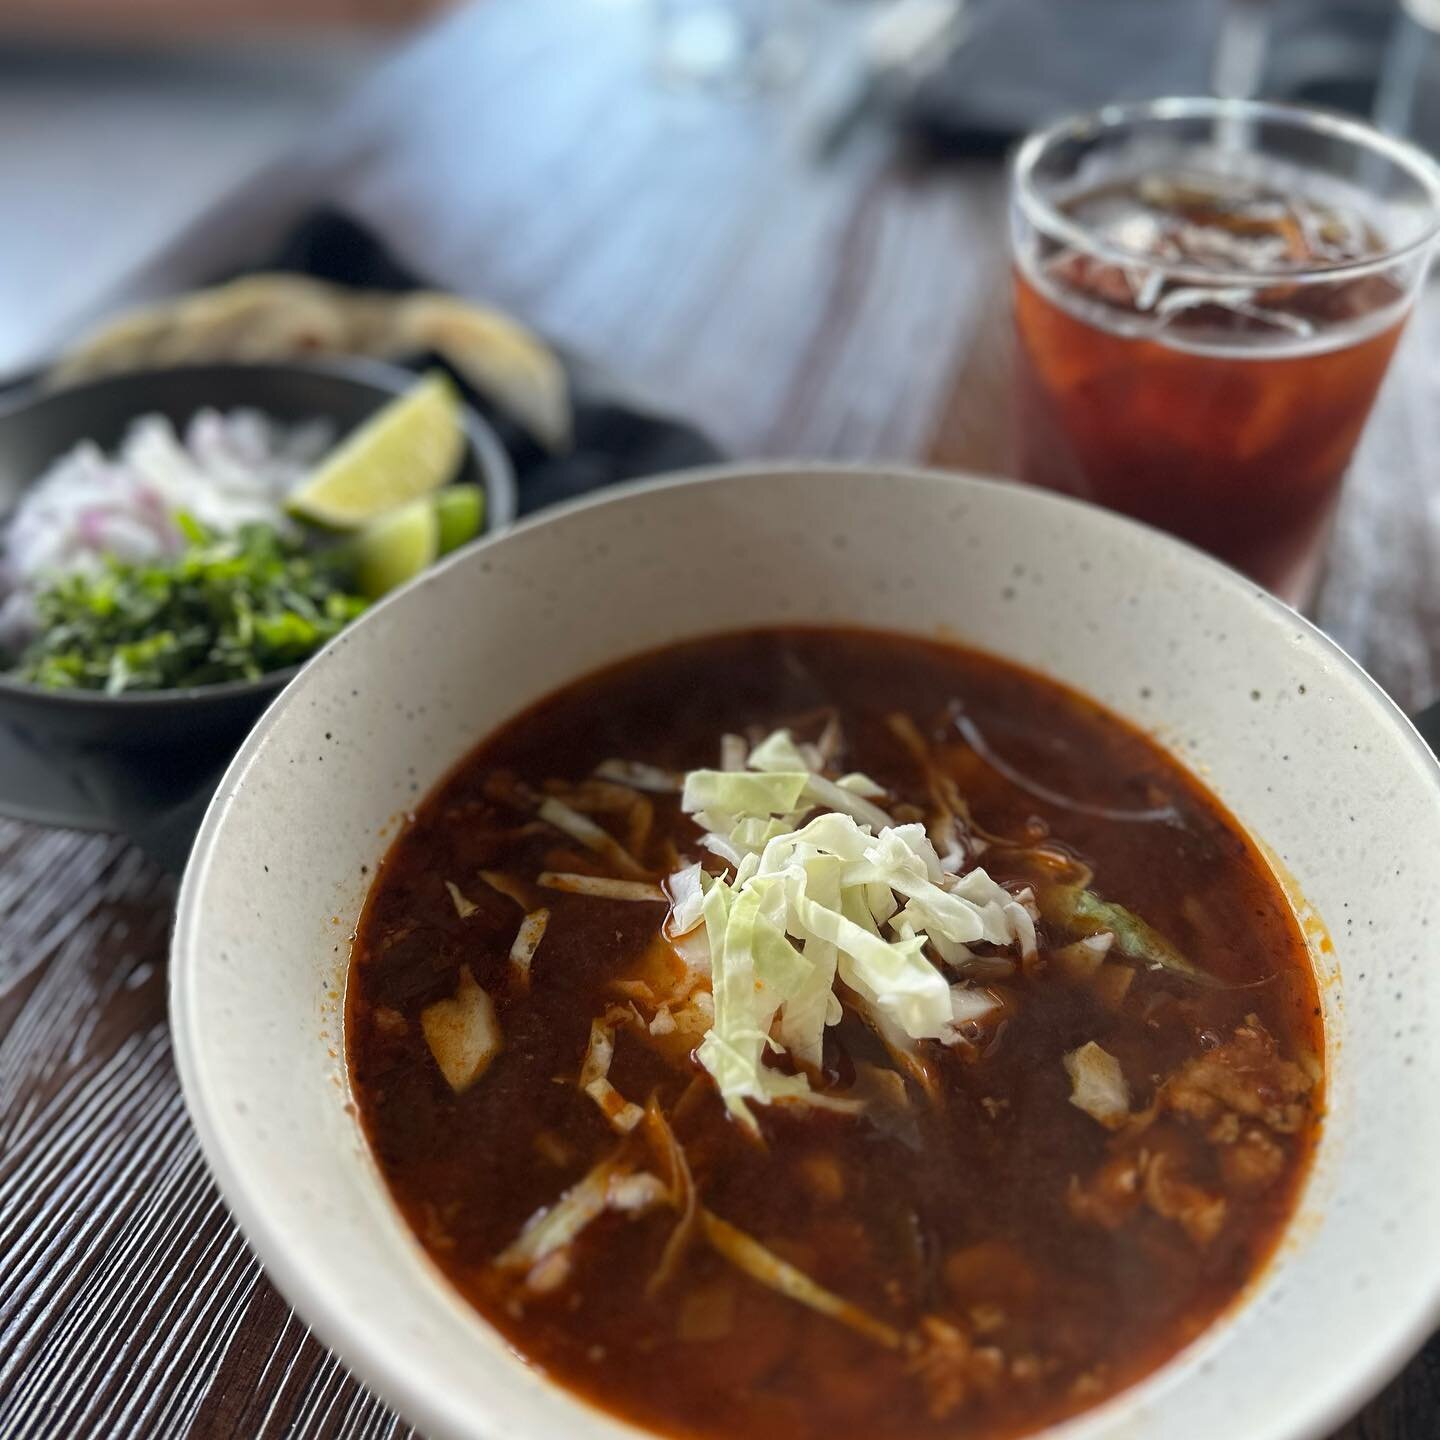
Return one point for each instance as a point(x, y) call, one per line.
point(1207, 296)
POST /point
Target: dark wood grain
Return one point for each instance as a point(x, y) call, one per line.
point(522, 152)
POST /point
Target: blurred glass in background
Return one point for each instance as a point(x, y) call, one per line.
point(1208, 293)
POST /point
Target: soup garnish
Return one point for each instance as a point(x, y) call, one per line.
point(808, 1032)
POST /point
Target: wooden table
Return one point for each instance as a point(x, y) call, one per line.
point(524, 153)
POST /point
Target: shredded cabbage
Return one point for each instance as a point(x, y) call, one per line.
point(843, 894)
point(687, 895)
point(761, 1264)
point(623, 1115)
point(592, 836)
point(778, 751)
point(738, 793)
point(603, 887)
point(610, 1185)
point(527, 941)
point(638, 776)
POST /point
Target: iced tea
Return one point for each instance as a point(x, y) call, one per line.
point(1199, 345)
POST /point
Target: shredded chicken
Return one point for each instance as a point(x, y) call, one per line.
point(1111, 1195)
point(952, 1368)
point(1117, 1190)
point(1244, 1097)
point(1246, 1075)
point(1200, 1214)
point(1254, 1162)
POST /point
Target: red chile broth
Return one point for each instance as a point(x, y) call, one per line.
point(1033, 1260)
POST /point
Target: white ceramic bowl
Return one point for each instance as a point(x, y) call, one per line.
point(1296, 740)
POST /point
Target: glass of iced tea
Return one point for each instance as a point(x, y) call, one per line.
point(1207, 295)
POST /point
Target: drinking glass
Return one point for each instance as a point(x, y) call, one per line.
point(1207, 295)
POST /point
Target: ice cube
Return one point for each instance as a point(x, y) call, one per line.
point(1189, 300)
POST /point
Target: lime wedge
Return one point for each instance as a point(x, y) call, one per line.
point(459, 509)
point(396, 547)
point(405, 450)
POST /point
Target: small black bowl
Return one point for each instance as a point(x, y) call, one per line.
point(145, 763)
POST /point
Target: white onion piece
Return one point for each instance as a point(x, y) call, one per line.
point(463, 1032)
point(1098, 1085)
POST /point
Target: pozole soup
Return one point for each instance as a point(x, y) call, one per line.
point(804, 1033)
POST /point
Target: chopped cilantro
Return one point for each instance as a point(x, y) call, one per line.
point(231, 608)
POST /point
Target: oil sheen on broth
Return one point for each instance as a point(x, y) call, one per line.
point(882, 1219)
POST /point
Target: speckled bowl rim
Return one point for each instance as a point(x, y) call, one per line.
point(362, 1346)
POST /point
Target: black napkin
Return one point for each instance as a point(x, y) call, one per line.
point(616, 439)
point(1023, 63)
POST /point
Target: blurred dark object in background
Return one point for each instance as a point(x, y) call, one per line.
point(1022, 63)
point(1328, 54)
point(1409, 98)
